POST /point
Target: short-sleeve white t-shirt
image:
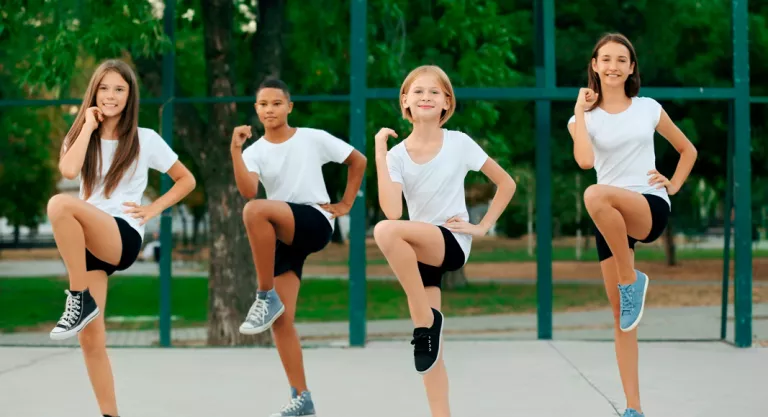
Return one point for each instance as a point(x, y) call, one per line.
point(291, 171)
point(153, 153)
point(623, 145)
point(434, 191)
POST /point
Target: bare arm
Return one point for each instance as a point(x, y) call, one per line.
point(390, 192)
point(684, 147)
point(71, 162)
point(356, 163)
point(505, 189)
point(184, 183)
point(247, 182)
point(582, 147)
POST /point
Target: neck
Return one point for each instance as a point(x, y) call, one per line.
point(108, 128)
point(613, 95)
point(426, 131)
point(280, 133)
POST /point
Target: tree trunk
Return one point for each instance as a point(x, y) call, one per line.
point(267, 43)
point(16, 235)
point(232, 280)
point(455, 279)
point(669, 245)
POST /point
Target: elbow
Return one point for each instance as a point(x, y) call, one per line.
point(68, 172)
point(248, 194)
point(585, 164)
point(392, 213)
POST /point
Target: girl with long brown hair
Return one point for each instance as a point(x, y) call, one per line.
point(612, 130)
point(102, 231)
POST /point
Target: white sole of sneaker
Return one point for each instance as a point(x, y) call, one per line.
point(75, 330)
point(642, 307)
point(264, 327)
point(439, 347)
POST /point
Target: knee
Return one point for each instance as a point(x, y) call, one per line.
point(384, 232)
point(58, 206)
point(284, 323)
point(92, 343)
point(254, 210)
point(595, 198)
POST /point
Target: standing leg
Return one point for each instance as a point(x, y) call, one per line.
point(436, 381)
point(627, 349)
point(93, 342)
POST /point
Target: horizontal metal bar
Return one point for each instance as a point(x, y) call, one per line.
point(468, 93)
point(759, 100)
point(565, 93)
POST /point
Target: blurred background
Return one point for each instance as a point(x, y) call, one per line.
point(517, 66)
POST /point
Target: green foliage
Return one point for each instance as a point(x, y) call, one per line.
point(48, 49)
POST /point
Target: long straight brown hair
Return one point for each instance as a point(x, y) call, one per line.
point(127, 131)
point(632, 85)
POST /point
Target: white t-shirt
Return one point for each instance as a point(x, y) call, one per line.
point(292, 171)
point(434, 191)
point(623, 145)
point(153, 153)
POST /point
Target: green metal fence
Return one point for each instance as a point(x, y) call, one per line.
point(738, 194)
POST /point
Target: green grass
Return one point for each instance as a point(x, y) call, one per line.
point(38, 302)
point(569, 254)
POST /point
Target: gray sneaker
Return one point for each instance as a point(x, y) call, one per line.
point(300, 406)
point(265, 310)
point(630, 412)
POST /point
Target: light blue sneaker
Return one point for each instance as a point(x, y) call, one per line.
point(632, 302)
point(300, 406)
point(630, 412)
point(265, 310)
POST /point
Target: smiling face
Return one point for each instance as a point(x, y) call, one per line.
point(273, 107)
point(613, 64)
point(112, 94)
point(427, 95)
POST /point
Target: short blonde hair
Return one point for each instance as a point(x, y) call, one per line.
point(445, 84)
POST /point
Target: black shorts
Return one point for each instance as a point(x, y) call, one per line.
point(131, 247)
point(432, 276)
point(311, 234)
point(659, 217)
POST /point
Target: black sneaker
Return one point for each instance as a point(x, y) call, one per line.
point(81, 308)
point(427, 343)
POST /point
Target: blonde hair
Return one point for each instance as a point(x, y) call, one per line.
point(442, 80)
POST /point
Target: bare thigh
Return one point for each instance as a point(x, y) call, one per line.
point(278, 213)
point(633, 207)
point(102, 236)
point(425, 239)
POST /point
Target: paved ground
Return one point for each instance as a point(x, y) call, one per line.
point(490, 378)
point(687, 323)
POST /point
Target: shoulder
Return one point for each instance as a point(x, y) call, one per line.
point(254, 148)
point(457, 136)
point(647, 103)
point(148, 135)
point(310, 132)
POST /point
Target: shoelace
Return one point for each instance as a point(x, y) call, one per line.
point(627, 299)
point(421, 342)
point(72, 309)
point(259, 310)
point(295, 404)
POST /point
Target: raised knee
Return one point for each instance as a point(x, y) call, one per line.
point(383, 232)
point(58, 206)
point(253, 210)
point(595, 196)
